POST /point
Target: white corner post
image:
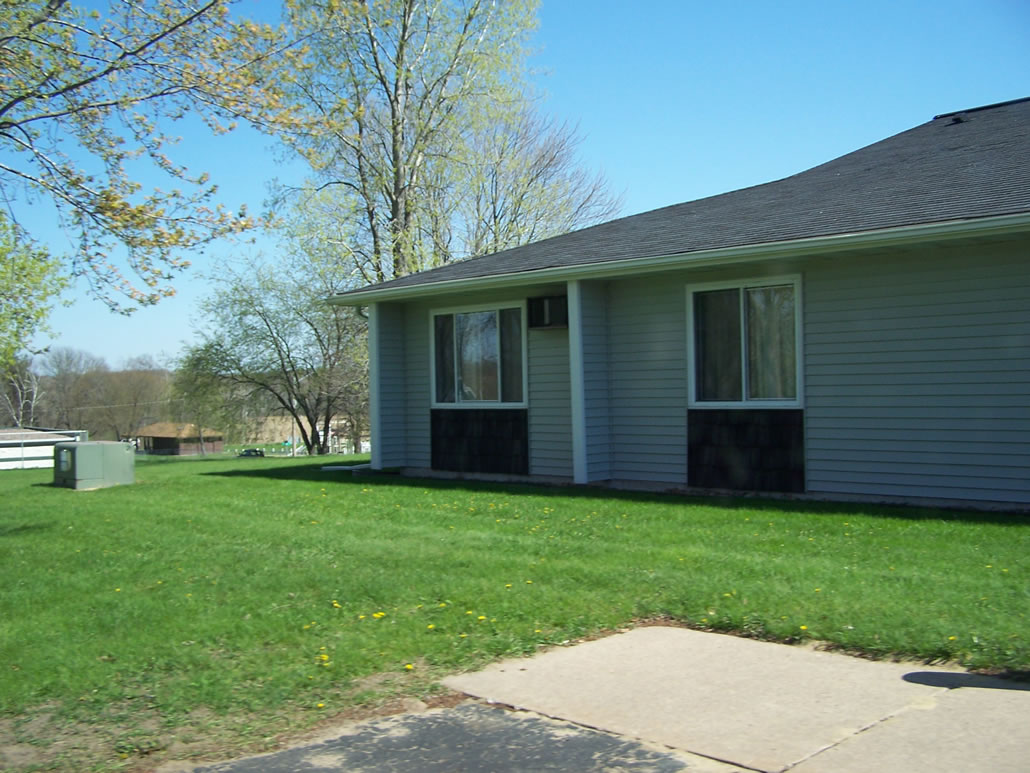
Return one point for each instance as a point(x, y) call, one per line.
point(375, 423)
point(576, 383)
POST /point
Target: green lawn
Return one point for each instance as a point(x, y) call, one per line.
point(238, 598)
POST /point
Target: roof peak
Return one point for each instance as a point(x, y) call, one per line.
point(982, 107)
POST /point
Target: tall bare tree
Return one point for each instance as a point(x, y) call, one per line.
point(20, 393)
point(390, 86)
point(524, 182)
point(73, 380)
point(425, 134)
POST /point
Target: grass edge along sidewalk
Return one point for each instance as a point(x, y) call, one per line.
point(223, 601)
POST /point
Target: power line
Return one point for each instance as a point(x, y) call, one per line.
point(130, 405)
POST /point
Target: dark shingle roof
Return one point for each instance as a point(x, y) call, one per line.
point(168, 429)
point(959, 166)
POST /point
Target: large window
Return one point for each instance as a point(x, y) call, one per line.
point(744, 344)
point(478, 357)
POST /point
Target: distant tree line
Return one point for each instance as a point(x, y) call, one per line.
point(71, 389)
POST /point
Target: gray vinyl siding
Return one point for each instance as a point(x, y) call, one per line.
point(392, 383)
point(596, 402)
point(418, 393)
point(550, 403)
point(647, 380)
point(916, 373)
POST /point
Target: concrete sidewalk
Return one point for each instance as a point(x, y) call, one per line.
point(662, 699)
point(771, 707)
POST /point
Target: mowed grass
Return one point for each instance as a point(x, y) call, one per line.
point(266, 595)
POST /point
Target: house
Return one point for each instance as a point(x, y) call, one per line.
point(31, 447)
point(860, 330)
point(176, 439)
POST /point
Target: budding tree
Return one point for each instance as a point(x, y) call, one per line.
point(87, 96)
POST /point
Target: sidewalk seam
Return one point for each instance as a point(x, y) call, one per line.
point(876, 723)
point(606, 731)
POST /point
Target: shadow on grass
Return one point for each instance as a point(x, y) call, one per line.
point(313, 472)
point(25, 528)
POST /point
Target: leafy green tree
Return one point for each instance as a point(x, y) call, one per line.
point(85, 98)
point(30, 283)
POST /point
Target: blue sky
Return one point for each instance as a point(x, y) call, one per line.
point(675, 101)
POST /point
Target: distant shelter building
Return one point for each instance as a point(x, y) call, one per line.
point(168, 438)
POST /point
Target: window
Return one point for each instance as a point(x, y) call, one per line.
point(744, 344)
point(479, 357)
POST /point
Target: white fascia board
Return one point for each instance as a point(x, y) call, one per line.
point(1000, 225)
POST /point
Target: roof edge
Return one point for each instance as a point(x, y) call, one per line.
point(982, 107)
point(998, 225)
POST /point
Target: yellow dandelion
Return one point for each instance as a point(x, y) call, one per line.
point(408, 667)
point(804, 628)
point(430, 626)
point(319, 705)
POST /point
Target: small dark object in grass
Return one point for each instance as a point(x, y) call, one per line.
point(251, 452)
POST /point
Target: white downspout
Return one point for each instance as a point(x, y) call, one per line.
point(375, 427)
point(580, 472)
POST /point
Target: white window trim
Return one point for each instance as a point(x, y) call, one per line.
point(744, 284)
point(479, 404)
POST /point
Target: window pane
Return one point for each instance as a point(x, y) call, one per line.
point(717, 365)
point(444, 347)
point(771, 361)
point(511, 355)
point(477, 355)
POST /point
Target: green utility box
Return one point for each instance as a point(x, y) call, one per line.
point(94, 464)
